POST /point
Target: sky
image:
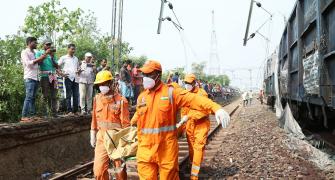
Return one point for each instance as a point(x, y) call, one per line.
point(140, 26)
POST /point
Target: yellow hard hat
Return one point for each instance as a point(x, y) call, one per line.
point(103, 76)
point(189, 78)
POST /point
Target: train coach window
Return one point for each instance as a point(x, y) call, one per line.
point(284, 64)
point(330, 16)
point(284, 44)
point(309, 39)
point(309, 10)
point(293, 29)
point(294, 58)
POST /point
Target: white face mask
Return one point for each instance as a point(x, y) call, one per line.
point(188, 87)
point(148, 83)
point(104, 89)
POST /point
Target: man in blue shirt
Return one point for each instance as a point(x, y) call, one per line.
point(175, 78)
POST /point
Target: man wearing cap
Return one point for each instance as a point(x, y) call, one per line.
point(156, 122)
point(48, 76)
point(197, 126)
point(110, 112)
point(86, 77)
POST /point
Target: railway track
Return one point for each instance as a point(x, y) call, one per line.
point(84, 172)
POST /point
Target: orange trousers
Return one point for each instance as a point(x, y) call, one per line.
point(101, 161)
point(158, 158)
point(197, 132)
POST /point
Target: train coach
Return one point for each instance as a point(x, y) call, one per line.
point(306, 63)
point(269, 79)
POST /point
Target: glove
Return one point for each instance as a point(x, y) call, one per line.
point(182, 121)
point(93, 139)
point(222, 117)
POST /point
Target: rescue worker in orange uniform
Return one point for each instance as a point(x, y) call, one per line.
point(156, 123)
point(197, 127)
point(110, 111)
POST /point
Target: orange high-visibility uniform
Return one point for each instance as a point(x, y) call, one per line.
point(109, 112)
point(157, 134)
point(197, 128)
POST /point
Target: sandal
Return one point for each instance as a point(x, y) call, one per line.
point(26, 120)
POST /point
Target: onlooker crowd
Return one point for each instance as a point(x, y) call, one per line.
point(67, 83)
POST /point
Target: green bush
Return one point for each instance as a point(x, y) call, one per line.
point(11, 92)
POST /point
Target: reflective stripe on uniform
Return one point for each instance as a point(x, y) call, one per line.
point(196, 167)
point(158, 130)
point(194, 174)
point(170, 93)
point(108, 125)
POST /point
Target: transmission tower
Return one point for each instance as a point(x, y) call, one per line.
point(116, 32)
point(214, 60)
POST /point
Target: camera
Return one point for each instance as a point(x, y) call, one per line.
point(53, 49)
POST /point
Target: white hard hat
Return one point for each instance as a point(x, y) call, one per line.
point(88, 54)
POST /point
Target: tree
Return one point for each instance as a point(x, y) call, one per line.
point(138, 60)
point(198, 69)
point(52, 21)
point(11, 73)
point(11, 92)
point(225, 80)
point(124, 53)
point(181, 72)
point(10, 49)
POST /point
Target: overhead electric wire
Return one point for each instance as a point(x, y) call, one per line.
point(260, 27)
point(174, 14)
point(190, 46)
point(186, 44)
point(185, 52)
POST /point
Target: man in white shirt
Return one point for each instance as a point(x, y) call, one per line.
point(30, 75)
point(86, 79)
point(70, 67)
point(245, 97)
point(250, 97)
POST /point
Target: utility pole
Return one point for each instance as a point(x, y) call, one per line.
point(113, 28)
point(248, 24)
point(160, 19)
point(120, 32)
point(116, 42)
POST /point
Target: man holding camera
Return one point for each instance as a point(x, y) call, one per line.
point(86, 78)
point(48, 76)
